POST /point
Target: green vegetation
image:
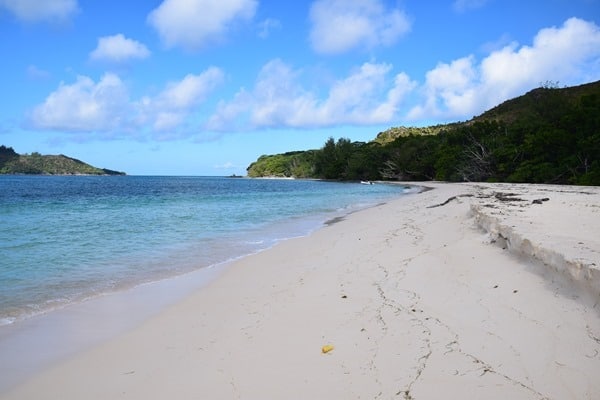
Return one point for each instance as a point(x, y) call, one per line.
point(35, 163)
point(392, 134)
point(298, 164)
point(548, 135)
point(7, 154)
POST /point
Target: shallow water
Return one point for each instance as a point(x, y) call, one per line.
point(66, 239)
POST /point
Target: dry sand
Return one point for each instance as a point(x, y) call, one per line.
point(419, 302)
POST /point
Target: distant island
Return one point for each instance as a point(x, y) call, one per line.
point(548, 135)
point(37, 164)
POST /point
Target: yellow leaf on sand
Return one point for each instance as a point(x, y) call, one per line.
point(327, 348)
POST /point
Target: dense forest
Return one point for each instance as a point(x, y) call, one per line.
point(36, 164)
point(549, 135)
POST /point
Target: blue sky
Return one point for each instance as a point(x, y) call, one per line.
point(204, 87)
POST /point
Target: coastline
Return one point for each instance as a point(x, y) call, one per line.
point(68, 240)
point(416, 298)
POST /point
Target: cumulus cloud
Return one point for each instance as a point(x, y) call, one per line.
point(118, 48)
point(105, 107)
point(83, 106)
point(366, 96)
point(372, 93)
point(37, 11)
point(169, 109)
point(193, 24)
point(569, 54)
point(454, 90)
point(342, 25)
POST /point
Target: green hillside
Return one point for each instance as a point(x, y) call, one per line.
point(37, 164)
point(548, 135)
point(543, 103)
point(298, 164)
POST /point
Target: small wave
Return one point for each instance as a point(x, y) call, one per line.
point(7, 321)
point(254, 242)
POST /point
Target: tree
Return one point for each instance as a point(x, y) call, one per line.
point(7, 154)
point(331, 161)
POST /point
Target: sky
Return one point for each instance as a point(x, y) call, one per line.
point(204, 87)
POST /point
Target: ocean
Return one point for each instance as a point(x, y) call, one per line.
point(66, 239)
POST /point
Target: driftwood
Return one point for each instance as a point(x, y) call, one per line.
point(507, 196)
point(450, 199)
point(500, 196)
point(540, 201)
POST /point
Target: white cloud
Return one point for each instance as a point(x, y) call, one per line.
point(388, 110)
point(118, 48)
point(367, 96)
point(105, 107)
point(84, 106)
point(372, 93)
point(36, 10)
point(191, 89)
point(193, 24)
point(170, 108)
point(569, 54)
point(558, 54)
point(342, 25)
point(448, 85)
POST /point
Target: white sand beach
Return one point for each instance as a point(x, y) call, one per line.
point(488, 296)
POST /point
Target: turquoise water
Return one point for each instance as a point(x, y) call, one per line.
point(66, 239)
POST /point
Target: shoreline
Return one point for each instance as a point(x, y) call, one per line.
point(33, 342)
point(416, 301)
point(150, 257)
